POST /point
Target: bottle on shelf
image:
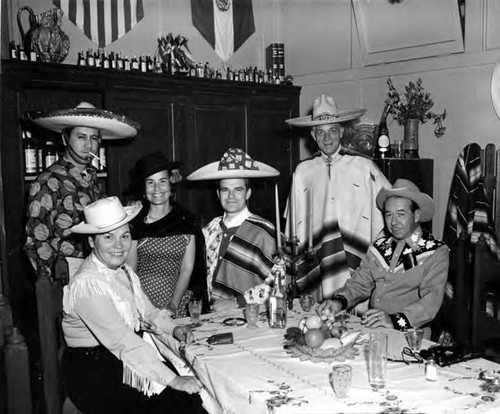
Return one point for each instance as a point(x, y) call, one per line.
point(277, 299)
point(90, 58)
point(383, 143)
point(81, 60)
point(30, 154)
point(13, 51)
point(102, 159)
point(21, 53)
point(39, 157)
point(134, 64)
point(33, 57)
point(49, 154)
point(97, 59)
point(143, 64)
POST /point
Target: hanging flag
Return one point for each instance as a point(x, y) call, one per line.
point(225, 24)
point(102, 21)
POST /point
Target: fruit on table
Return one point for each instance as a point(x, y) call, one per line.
point(349, 337)
point(314, 338)
point(331, 343)
point(314, 322)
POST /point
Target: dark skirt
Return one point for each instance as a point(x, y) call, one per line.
point(93, 380)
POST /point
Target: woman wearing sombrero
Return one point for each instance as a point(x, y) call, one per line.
point(108, 367)
point(59, 194)
point(239, 245)
point(338, 192)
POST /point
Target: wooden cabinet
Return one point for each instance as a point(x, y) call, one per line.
point(192, 120)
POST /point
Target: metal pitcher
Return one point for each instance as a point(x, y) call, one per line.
point(44, 35)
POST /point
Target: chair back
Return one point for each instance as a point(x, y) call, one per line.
point(485, 296)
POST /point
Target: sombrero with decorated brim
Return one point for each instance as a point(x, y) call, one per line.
point(326, 111)
point(105, 215)
point(235, 163)
point(111, 125)
point(407, 189)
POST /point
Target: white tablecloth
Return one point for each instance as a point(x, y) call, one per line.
point(256, 375)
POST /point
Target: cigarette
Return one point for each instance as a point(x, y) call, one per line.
point(97, 158)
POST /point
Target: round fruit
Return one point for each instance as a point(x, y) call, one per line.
point(313, 322)
point(314, 338)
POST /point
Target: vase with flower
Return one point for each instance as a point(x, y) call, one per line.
point(412, 108)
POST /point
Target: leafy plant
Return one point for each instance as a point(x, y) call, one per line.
point(414, 103)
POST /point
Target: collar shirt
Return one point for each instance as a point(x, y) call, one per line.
point(104, 306)
point(56, 201)
point(406, 280)
point(238, 219)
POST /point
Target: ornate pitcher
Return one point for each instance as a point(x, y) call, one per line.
point(45, 35)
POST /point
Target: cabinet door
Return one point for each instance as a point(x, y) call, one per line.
point(157, 114)
point(217, 123)
point(270, 141)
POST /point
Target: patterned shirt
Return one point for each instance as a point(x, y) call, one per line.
point(56, 201)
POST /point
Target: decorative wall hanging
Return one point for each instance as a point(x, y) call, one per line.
point(102, 21)
point(225, 24)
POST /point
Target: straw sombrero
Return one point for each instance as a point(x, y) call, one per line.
point(325, 111)
point(235, 163)
point(407, 189)
point(111, 125)
point(105, 215)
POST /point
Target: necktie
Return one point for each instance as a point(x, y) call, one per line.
point(329, 164)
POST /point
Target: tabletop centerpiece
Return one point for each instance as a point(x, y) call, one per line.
point(412, 108)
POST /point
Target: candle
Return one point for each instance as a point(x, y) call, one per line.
point(310, 205)
point(293, 213)
point(278, 231)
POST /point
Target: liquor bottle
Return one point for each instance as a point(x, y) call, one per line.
point(105, 61)
point(81, 60)
point(112, 60)
point(49, 154)
point(102, 159)
point(90, 58)
point(33, 56)
point(126, 63)
point(151, 65)
point(97, 59)
point(143, 64)
point(13, 51)
point(21, 53)
point(39, 157)
point(277, 299)
point(30, 156)
point(119, 62)
point(134, 64)
point(383, 144)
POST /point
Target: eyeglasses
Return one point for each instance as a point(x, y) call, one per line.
point(409, 353)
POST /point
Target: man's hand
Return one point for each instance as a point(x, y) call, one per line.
point(183, 334)
point(224, 305)
point(329, 308)
point(185, 383)
point(375, 318)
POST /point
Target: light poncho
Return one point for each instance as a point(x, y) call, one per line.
point(105, 307)
point(345, 217)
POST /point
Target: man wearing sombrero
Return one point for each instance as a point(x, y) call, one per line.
point(404, 273)
point(59, 194)
point(334, 201)
point(239, 245)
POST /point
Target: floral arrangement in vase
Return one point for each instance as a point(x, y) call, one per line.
point(414, 103)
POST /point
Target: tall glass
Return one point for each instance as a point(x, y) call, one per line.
point(377, 360)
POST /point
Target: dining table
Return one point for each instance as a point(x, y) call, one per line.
point(256, 374)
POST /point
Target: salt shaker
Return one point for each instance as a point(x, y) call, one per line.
point(431, 370)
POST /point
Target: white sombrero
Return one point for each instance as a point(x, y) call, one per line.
point(235, 163)
point(111, 125)
point(495, 88)
point(325, 111)
point(407, 189)
point(105, 215)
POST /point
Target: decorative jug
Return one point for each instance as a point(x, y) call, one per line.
point(45, 35)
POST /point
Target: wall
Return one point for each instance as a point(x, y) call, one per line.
point(460, 83)
point(160, 18)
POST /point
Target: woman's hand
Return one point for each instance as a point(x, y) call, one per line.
point(329, 308)
point(375, 318)
point(183, 334)
point(186, 383)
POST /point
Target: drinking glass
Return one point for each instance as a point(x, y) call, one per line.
point(340, 380)
point(397, 149)
point(414, 338)
point(252, 315)
point(306, 302)
point(194, 307)
point(377, 360)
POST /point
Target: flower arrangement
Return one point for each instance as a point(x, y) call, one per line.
point(414, 103)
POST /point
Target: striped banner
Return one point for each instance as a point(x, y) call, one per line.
point(102, 21)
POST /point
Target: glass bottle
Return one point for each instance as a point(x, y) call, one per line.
point(13, 51)
point(431, 370)
point(383, 144)
point(30, 156)
point(49, 156)
point(277, 299)
point(81, 59)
